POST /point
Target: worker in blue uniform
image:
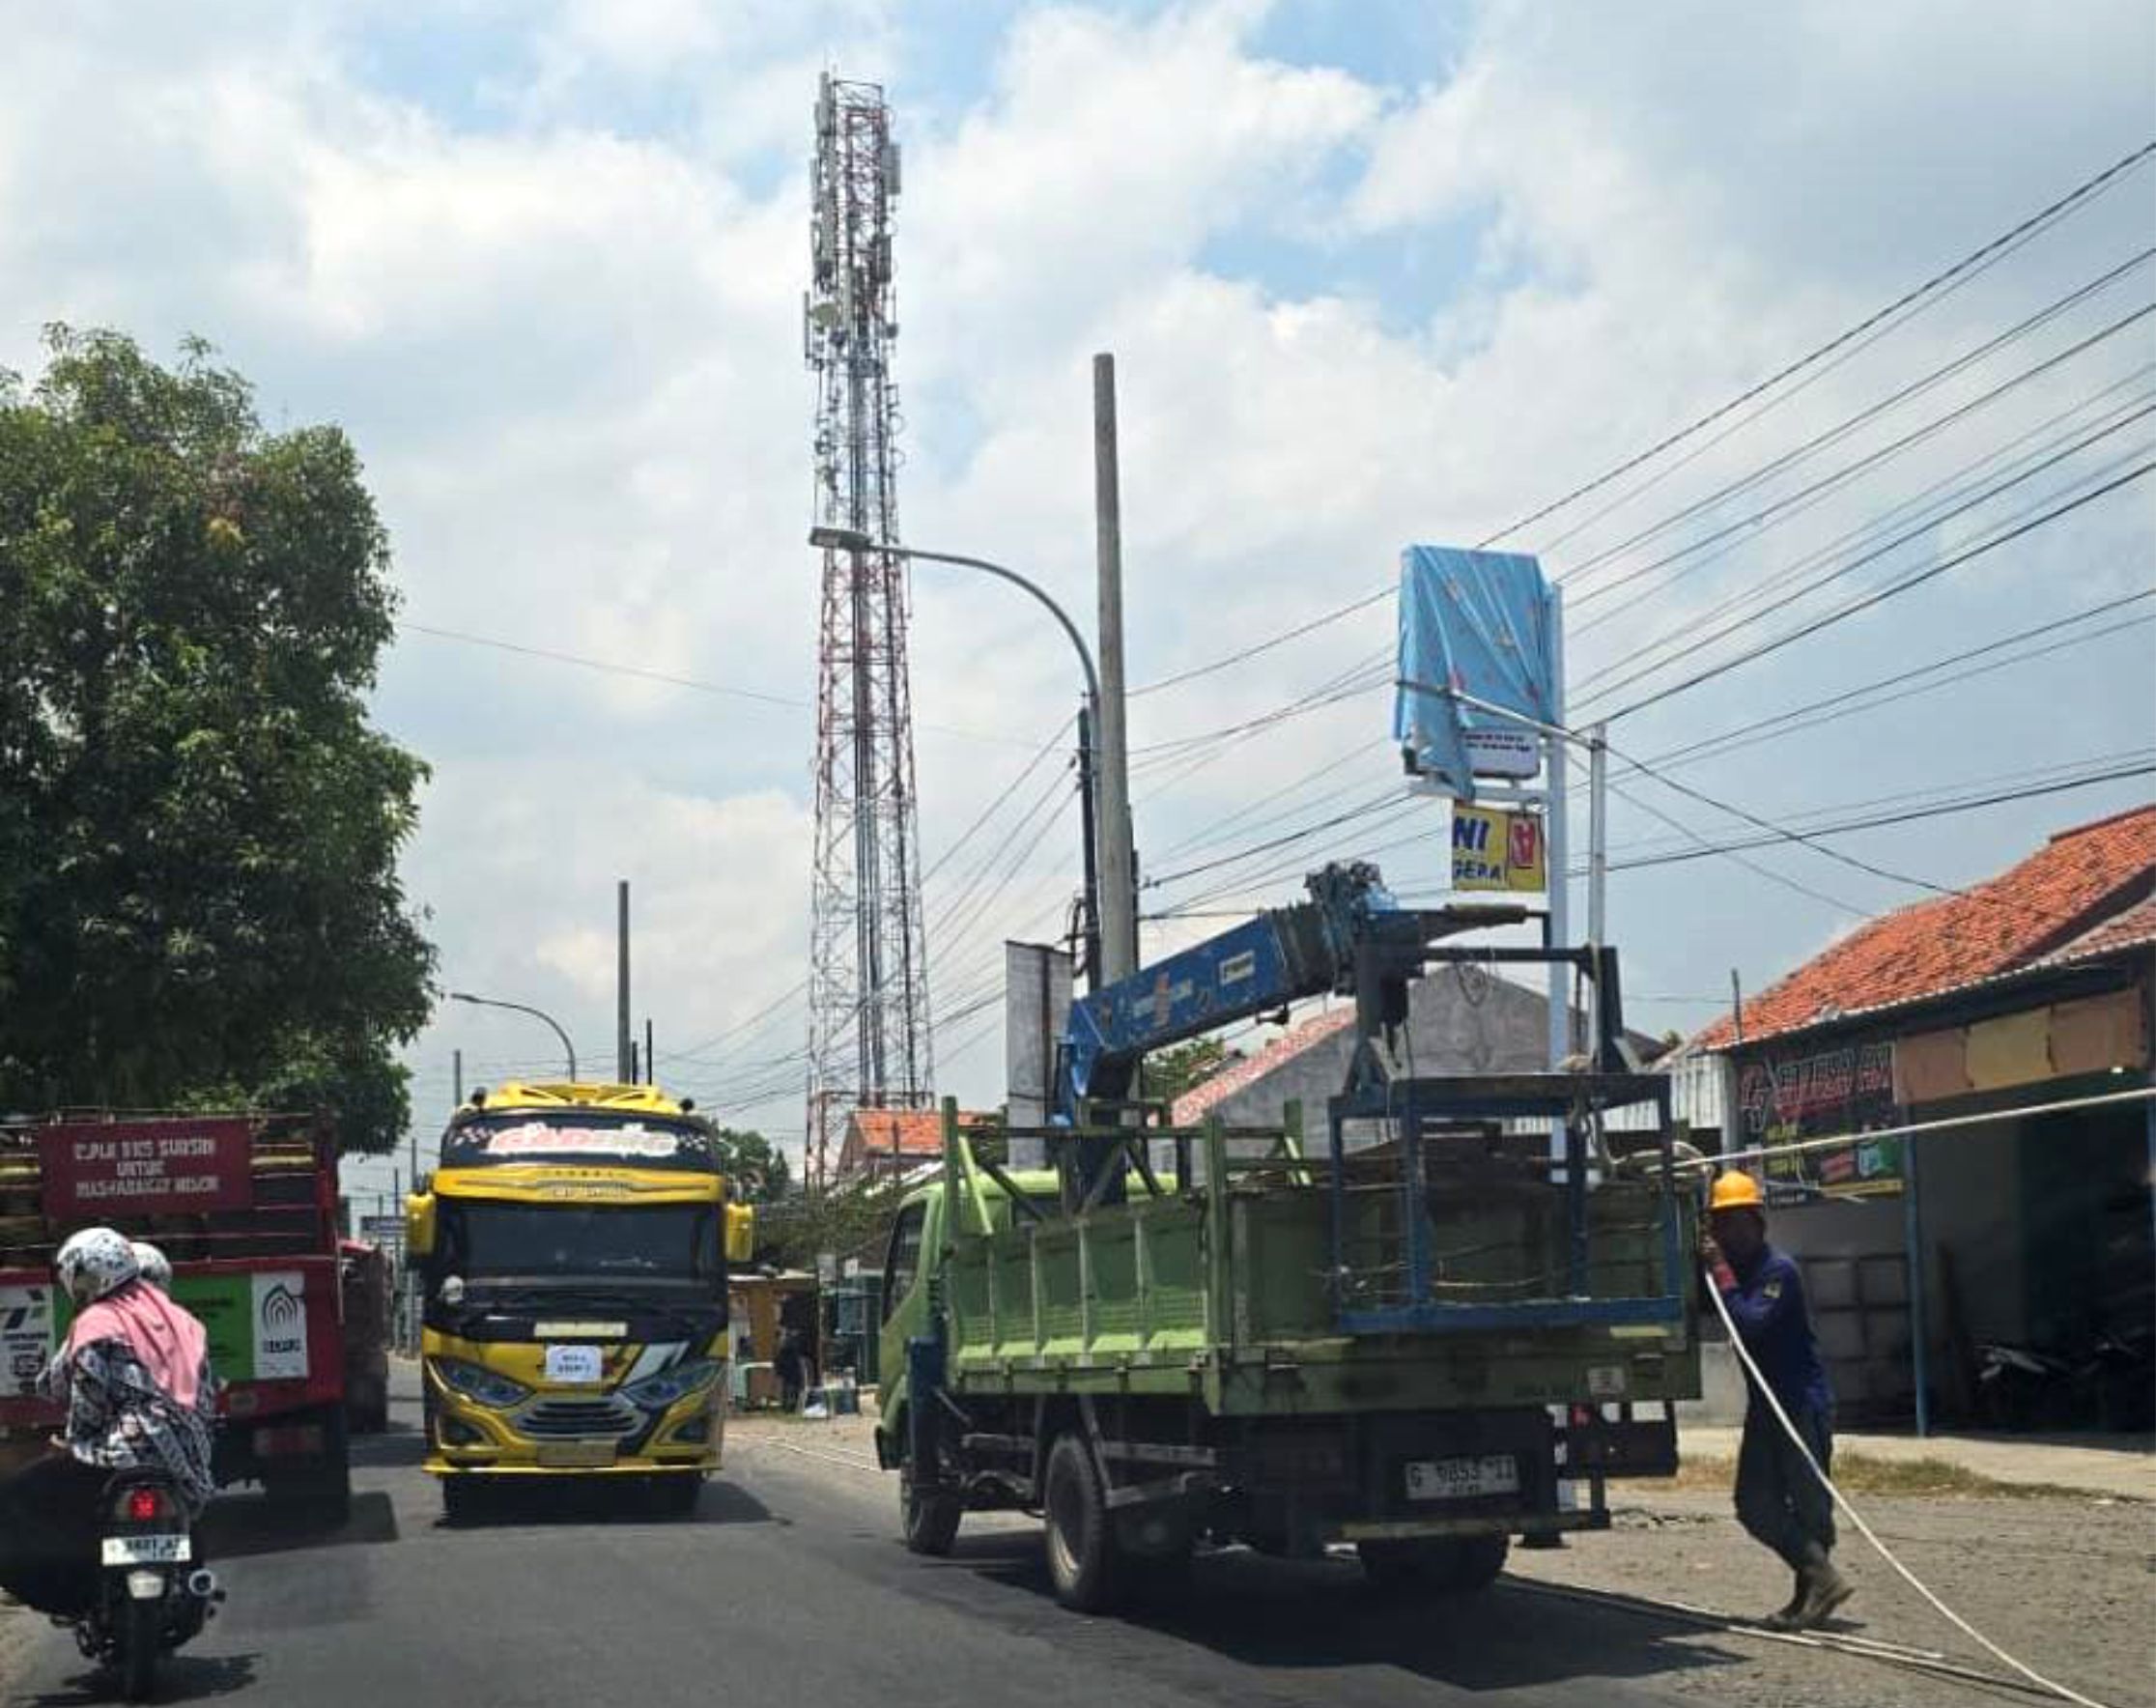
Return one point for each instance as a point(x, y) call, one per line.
point(1779, 1499)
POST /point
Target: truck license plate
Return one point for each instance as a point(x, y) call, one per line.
point(1462, 1479)
point(147, 1551)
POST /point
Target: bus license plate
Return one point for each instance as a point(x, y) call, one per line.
point(147, 1551)
point(1462, 1479)
point(575, 1455)
point(574, 1364)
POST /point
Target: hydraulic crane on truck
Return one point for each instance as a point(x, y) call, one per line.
point(1351, 938)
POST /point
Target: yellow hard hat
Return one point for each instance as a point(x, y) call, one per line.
point(1736, 1190)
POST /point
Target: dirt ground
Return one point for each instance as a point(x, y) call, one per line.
point(2066, 1584)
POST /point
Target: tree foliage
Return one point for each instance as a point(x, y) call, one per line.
point(1184, 1066)
point(757, 1165)
point(199, 899)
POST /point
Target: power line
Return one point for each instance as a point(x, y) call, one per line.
point(1876, 457)
point(1764, 728)
point(1752, 866)
point(1827, 619)
point(614, 668)
point(1811, 839)
point(1966, 266)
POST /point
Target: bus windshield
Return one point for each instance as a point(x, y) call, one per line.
point(676, 1243)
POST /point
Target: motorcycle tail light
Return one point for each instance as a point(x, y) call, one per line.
point(144, 1505)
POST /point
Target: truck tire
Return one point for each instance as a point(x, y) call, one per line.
point(322, 1493)
point(927, 1518)
point(463, 1498)
point(1083, 1559)
point(1447, 1565)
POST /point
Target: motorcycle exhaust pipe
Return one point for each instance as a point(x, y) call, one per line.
point(202, 1585)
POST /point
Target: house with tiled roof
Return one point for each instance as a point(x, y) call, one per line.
point(1461, 1019)
point(2010, 1022)
point(882, 1142)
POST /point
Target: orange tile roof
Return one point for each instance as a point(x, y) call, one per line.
point(903, 1132)
point(1195, 1104)
point(2086, 892)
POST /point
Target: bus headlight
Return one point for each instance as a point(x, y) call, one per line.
point(655, 1393)
point(475, 1381)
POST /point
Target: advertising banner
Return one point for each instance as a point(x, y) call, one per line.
point(256, 1325)
point(1819, 1094)
point(111, 1169)
point(26, 1338)
point(1493, 849)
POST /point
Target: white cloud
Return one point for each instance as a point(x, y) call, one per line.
point(561, 317)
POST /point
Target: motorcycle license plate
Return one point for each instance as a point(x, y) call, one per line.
point(147, 1551)
point(1462, 1479)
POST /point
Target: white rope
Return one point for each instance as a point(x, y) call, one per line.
point(1836, 1141)
point(1759, 1383)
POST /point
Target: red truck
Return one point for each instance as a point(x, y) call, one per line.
point(246, 1207)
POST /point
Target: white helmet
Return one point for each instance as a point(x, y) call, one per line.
point(153, 1266)
point(94, 1262)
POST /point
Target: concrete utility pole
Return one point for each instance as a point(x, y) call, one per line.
point(625, 1066)
point(456, 1076)
point(1117, 858)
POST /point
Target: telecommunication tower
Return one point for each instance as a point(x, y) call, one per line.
point(869, 1028)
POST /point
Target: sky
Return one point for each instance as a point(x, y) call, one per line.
point(1373, 275)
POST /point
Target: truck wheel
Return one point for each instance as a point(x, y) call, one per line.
point(676, 1496)
point(927, 1518)
point(1449, 1565)
point(1082, 1553)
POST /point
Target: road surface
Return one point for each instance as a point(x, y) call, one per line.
point(788, 1587)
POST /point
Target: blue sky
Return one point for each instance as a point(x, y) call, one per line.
point(1373, 274)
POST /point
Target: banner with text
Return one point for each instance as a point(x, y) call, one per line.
point(1493, 849)
point(110, 1169)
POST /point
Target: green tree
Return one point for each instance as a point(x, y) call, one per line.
point(757, 1164)
point(199, 900)
point(1184, 1066)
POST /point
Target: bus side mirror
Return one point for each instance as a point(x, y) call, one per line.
point(741, 1233)
point(419, 1227)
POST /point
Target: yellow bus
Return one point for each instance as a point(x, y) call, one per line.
point(573, 1248)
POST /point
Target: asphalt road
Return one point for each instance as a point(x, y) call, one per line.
point(788, 1587)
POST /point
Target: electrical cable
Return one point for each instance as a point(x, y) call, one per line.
point(1894, 400)
point(1751, 866)
point(1747, 605)
point(1960, 271)
point(1871, 460)
point(1761, 729)
point(1761, 1388)
point(1877, 597)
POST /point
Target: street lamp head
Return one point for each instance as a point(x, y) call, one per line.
point(461, 996)
point(841, 539)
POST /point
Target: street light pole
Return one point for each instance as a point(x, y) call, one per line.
point(852, 539)
point(567, 1050)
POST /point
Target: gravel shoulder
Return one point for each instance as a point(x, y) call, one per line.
point(2066, 1584)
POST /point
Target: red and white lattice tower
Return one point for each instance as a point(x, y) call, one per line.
point(869, 1034)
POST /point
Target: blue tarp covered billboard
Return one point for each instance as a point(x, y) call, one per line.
point(1484, 623)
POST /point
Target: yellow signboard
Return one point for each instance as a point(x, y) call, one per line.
point(1493, 849)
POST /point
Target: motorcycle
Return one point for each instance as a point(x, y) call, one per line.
point(151, 1597)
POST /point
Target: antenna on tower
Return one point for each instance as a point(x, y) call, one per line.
point(868, 1029)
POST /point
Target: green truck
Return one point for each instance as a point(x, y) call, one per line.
point(1443, 1328)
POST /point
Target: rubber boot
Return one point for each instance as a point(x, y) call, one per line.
point(1784, 1618)
point(1825, 1588)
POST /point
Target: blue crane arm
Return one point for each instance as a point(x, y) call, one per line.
point(1284, 955)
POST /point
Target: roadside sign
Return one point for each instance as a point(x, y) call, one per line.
point(1493, 849)
point(382, 1230)
point(1502, 753)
